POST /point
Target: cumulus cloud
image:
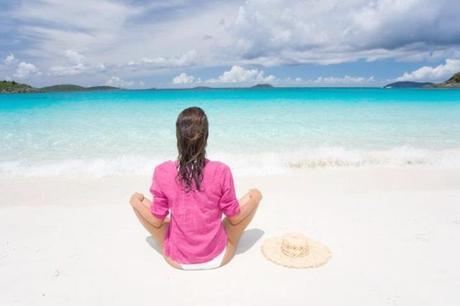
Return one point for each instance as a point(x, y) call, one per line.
point(77, 64)
point(9, 59)
point(13, 68)
point(184, 78)
point(186, 59)
point(149, 34)
point(428, 73)
point(25, 70)
point(75, 57)
point(116, 81)
point(238, 74)
point(334, 31)
point(152, 36)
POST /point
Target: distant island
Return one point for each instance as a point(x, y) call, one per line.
point(453, 82)
point(408, 84)
point(14, 87)
point(71, 87)
point(262, 86)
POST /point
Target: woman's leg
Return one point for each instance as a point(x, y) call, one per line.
point(158, 233)
point(234, 231)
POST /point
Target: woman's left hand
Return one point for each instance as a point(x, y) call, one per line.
point(135, 198)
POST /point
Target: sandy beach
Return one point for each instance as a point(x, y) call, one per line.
point(394, 234)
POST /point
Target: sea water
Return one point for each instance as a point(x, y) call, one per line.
point(256, 131)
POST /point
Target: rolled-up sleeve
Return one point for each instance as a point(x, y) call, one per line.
point(228, 203)
point(160, 205)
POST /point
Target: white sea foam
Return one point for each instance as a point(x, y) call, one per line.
point(241, 163)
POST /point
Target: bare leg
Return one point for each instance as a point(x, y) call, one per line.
point(158, 233)
point(249, 201)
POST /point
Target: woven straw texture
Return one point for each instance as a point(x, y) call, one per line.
point(316, 255)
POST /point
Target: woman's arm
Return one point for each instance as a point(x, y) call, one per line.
point(142, 205)
point(247, 204)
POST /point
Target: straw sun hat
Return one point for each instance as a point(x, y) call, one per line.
point(295, 250)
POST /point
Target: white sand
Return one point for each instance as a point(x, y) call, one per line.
point(394, 234)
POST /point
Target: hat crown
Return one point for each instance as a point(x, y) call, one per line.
point(294, 245)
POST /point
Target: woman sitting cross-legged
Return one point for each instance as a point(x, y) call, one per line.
point(195, 192)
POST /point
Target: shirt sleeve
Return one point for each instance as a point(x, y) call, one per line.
point(160, 205)
point(229, 203)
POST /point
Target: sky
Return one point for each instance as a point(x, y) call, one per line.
point(144, 44)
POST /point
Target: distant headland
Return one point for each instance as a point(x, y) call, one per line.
point(14, 87)
point(453, 82)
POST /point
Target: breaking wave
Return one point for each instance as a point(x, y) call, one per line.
point(241, 163)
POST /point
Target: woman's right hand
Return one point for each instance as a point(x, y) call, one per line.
point(136, 198)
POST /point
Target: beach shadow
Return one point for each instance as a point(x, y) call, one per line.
point(247, 241)
point(153, 244)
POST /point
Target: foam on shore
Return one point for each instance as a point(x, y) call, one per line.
point(242, 164)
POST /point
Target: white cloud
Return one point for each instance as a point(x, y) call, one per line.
point(153, 37)
point(334, 31)
point(9, 59)
point(345, 81)
point(184, 78)
point(67, 70)
point(85, 15)
point(186, 59)
point(238, 74)
point(118, 82)
point(438, 73)
point(25, 70)
point(133, 32)
point(77, 64)
point(75, 57)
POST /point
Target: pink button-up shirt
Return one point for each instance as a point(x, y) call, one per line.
point(196, 233)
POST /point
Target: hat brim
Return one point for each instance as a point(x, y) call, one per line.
point(317, 256)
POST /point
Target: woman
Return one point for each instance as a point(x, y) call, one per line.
point(196, 192)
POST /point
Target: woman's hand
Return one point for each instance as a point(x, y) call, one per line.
point(136, 198)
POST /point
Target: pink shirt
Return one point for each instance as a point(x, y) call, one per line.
point(196, 233)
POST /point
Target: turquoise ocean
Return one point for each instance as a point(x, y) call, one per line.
point(256, 131)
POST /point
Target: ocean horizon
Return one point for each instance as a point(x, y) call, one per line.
point(256, 131)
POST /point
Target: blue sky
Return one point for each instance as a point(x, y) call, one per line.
point(142, 44)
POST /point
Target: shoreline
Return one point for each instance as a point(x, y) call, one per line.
point(17, 190)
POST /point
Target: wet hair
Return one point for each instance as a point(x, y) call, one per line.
point(192, 137)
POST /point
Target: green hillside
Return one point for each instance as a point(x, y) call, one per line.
point(71, 87)
point(453, 82)
point(13, 87)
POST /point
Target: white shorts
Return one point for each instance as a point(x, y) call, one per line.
point(212, 264)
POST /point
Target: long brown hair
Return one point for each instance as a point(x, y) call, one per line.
point(192, 136)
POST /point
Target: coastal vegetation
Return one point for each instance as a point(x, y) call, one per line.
point(453, 82)
point(14, 87)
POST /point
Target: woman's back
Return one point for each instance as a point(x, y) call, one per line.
point(195, 191)
point(196, 233)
